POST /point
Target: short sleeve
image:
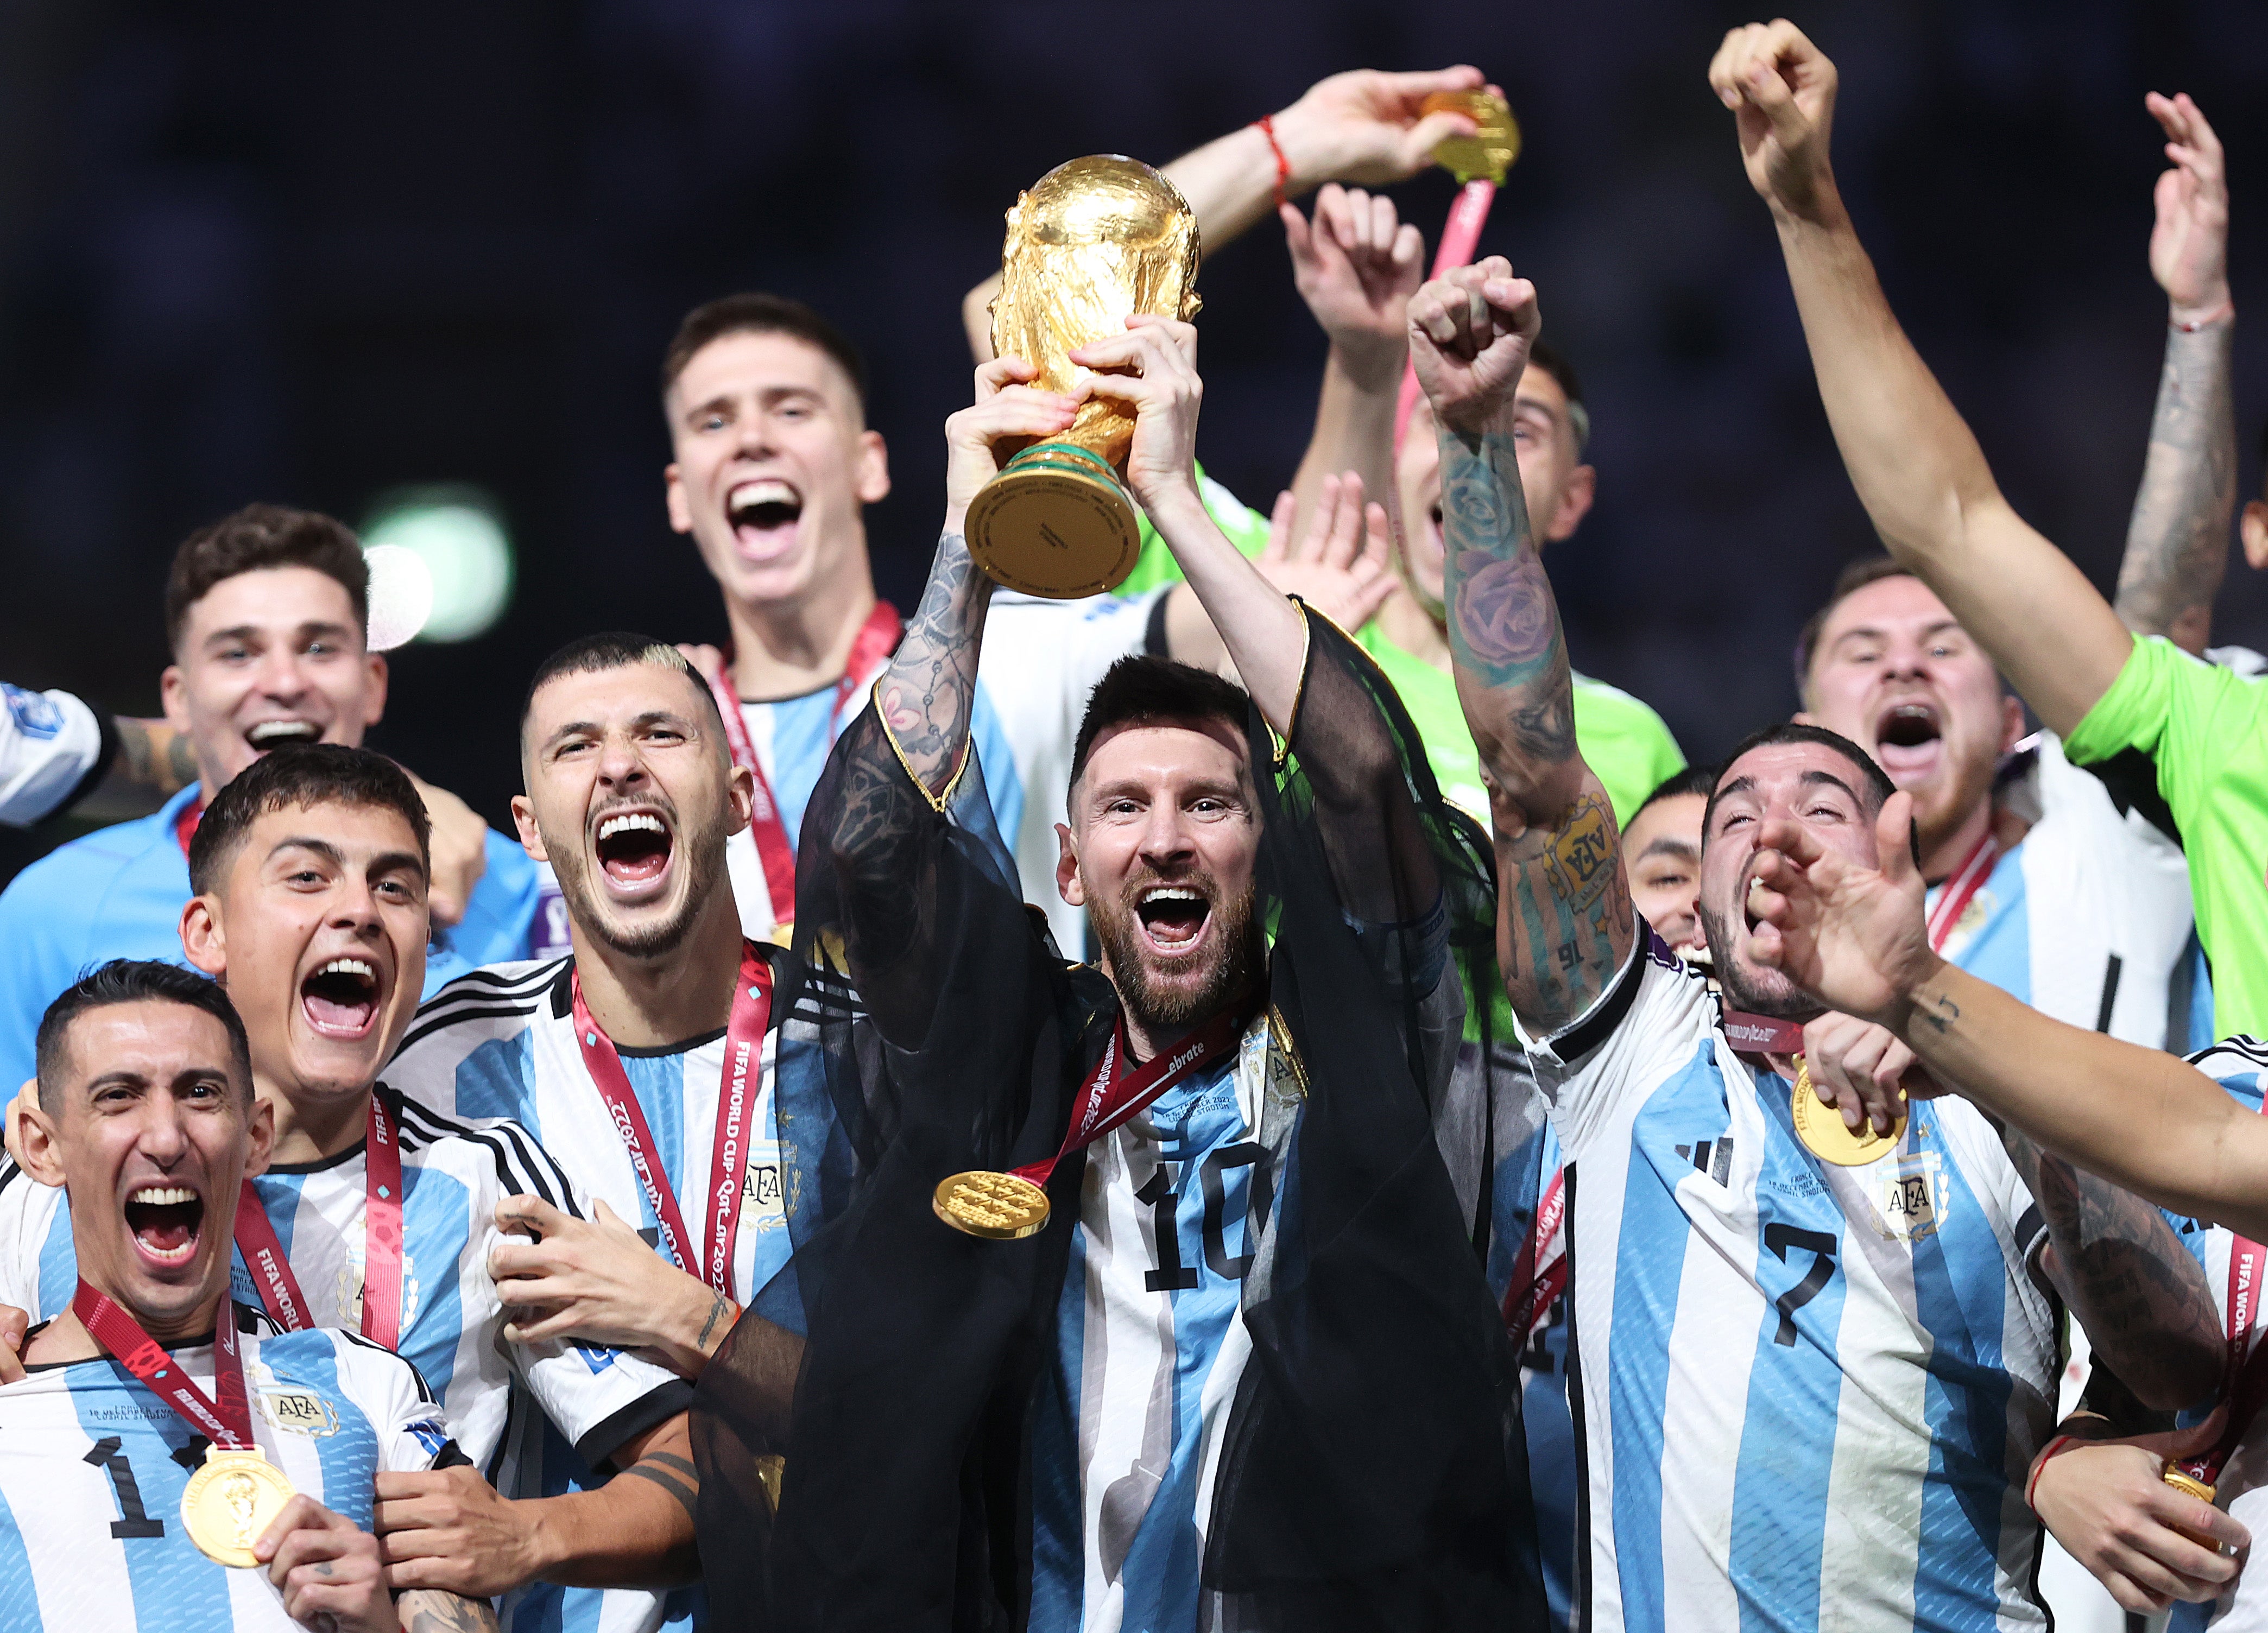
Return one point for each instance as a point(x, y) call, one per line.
point(1652, 1020)
point(412, 1431)
point(2188, 716)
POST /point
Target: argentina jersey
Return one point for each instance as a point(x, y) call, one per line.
point(2088, 918)
point(2237, 1064)
point(1804, 1393)
point(92, 1465)
point(1150, 1343)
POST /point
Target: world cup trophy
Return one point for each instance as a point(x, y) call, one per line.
point(1092, 241)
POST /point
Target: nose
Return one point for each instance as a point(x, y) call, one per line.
point(752, 432)
point(1167, 844)
point(281, 677)
point(622, 769)
point(163, 1137)
point(354, 907)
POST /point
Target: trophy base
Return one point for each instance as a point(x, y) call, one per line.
point(1055, 522)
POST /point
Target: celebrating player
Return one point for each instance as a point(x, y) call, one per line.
point(1750, 1294)
point(172, 1459)
point(378, 1215)
point(268, 615)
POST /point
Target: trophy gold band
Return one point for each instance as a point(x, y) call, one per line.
point(1090, 243)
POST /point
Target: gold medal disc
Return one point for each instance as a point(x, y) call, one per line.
point(231, 1501)
point(998, 1207)
point(1824, 1133)
point(2202, 1492)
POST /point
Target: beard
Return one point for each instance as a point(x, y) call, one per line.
point(1758, 991)
point(1232, 969)
point(699, 850)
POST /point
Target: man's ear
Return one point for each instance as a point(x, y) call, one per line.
point(680, 509)
point(531, 837)
point(42, 1153)
point(2252, 529)
point(203, 937)
point(2012, 722)
point(379, 675)
point(1574, 503)
point(173, 693)
point(1068, 882)
point(262, 1128)
point(740, 798)
point(873, 468)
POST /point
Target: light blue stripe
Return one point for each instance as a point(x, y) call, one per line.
point(1649, 1264)
point(498, 1079)
point(58, 1262)
point(659, 1082)
point(19, 1599)
point(2001, 953)
point(175, 1587)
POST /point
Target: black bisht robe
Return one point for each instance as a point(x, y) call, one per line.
point(1373, 1475)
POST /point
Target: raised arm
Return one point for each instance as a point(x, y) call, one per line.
point(2177, 538)
point(1854, 938)
point(1564, 925)
point(1362, 126)
point(1916, 468)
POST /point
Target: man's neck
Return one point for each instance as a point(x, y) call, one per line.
point(1944, 852)
point(653, 1002)
point(784, 649)
point(312, 1126)
point(1410, 627)
point(65, 1339)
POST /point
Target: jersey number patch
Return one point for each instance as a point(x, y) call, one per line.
point(136, 1522)
point(1158, 1194)
point(1779, 1238)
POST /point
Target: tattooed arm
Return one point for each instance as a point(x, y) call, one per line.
point(427, 1610)
point(1565, 925)
point(1854, 938)
point(2144, 1302)
point(2177, 539)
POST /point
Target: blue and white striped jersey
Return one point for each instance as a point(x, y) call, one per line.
point(1802, 1391)
point(1040, 661)
point(454, 1174)
point(2239, 1065)
point(92, 1465)
point(1151, 1345)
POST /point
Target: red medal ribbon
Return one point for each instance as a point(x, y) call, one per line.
point(2244, 1381)
point(877, 638)
point(1110, 1097)
point(224, 1418)
point(381, 1270)
point(185, 826)
point(728, 1162)
point(1530, 1297)
point(1954, 896)
point(1762, 1034)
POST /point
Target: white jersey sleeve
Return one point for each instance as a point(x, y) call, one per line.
point(412, 1430)
point(1651, 1020)
point(50, 744)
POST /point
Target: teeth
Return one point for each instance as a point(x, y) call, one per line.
point(349, 966)
point(768, 491)
point(636, 821)
point(163, 1196)
point(272, 731)
point(1172, 893)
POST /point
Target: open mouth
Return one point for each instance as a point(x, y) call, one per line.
point(633, 847)
point(341, 999)
point(267, 734)
point(1172, 916)
point(763, 514)
point(166, 1222)
point(1907, 739)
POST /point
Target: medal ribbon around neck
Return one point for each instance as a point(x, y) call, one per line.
point(2244, 1377)
point(1961, 887)
point(381, 1256)
point(736, 1097)
point(877, 638)
point(1013, 1205)
point(1531, 1296)
point(224, 1418)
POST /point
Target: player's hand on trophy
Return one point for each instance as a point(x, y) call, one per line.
point(2108, 1502)
point(2189, 244)
point(326, 1567)
point(1357, 265)
point(1342, 567)
point(1163, 392)
point(1469, 334)
point(1368, 127)
point(1781, 90)
point(1851, 936)
point(459, 849)
point(1006, 410)
point(596, 1279)
point(1863, 1071)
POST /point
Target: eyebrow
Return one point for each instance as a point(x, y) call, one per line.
point(246, 632)
point(1667, 845)
point(651, 716)
point(385, 862)
point(1876, 632)
point(1828, 779)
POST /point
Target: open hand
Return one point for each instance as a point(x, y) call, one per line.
point(2108, 1502)
point(1469, 334)
point(1342, 567)
point(1363, 125)
point(1164, 393)
point(2189, 244)
point(1357, 266)
point(1781, 90)
point(1851, 936)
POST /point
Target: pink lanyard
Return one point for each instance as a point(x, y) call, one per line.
point(728, 1163)
point(877, 638)
point(382, 1273)
point(225, 1416)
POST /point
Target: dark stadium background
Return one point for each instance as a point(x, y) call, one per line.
point(310, 254)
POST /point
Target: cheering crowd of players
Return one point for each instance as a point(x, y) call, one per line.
point(1465, 1169)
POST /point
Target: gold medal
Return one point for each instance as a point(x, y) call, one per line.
point(1495, 142)
point(2202, 1492)
point(1824, 1133)
point(998, 1207)
point(231, 1501)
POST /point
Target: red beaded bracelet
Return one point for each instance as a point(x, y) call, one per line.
point(2040, 1463)
point(1266, 126)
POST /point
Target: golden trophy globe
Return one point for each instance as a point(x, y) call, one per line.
point(1093, 242)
